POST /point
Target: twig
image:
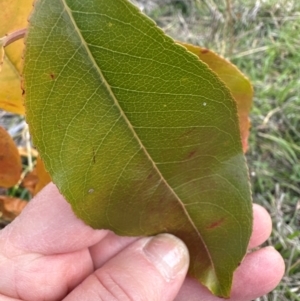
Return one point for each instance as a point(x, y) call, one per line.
point(249, 52)
point(28, 147)
point(269, 115)
point(12, 37)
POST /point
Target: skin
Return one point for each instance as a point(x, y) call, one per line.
point(47, 253)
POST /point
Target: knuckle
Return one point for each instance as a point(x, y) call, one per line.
point(111, 289)
point(123, 287)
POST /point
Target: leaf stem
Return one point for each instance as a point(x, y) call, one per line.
point(12, 37)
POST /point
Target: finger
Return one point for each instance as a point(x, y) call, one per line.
point(36, 277)
point(260, 272)
point(148, 269)
point(262, 226)
point(108, 247)
point(45, 247)
point(48, 225)
point(4, 298)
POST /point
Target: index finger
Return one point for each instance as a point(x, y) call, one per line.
point(48, 226)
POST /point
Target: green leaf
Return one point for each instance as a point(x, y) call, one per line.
point(138, 134)
point(238, 84)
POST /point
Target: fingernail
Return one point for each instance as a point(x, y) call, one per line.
point(168, 254)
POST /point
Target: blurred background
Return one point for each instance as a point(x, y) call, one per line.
point(261, 37)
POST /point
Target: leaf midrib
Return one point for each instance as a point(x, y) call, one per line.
point(111, 93)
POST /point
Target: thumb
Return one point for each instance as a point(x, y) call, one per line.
point(151, 268)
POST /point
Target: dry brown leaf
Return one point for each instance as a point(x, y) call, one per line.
point(43, 176)
point(30, 181)
point(36, 180)
point(11, 207)
point(10, 161)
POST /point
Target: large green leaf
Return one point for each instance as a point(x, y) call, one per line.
point(138, 134)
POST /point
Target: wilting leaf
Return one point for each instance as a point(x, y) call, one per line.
point(13, 16)
point(138, 134)
point(36, 180)
point(30, 181)
point(11, 207)
point(238, 84)
point(10, 162)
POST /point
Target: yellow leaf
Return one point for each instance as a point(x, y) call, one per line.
point(13, 16)
point(1, 55)
point(10, 89)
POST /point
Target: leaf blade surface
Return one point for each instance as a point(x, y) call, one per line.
point(138, 135)
point(238, 84)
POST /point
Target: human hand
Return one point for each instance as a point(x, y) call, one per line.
point(47, 253)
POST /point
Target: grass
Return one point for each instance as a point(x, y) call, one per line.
point(263, 39)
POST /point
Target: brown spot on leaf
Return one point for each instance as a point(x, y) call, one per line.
point(204, 51)
point(216, 224)
point(191, 154)
point(52, 75)
point(149, 176)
